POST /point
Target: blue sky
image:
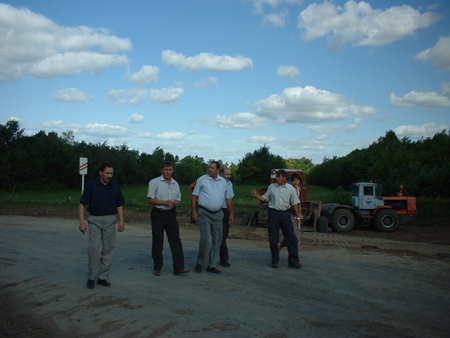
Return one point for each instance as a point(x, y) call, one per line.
point(220, 78)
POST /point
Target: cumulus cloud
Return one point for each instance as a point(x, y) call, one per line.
point(166, 96)
point(207, 83)
point(327, 130)
point(276, 19)
point(146, 75)
point(262, 139)
point(171, 136)
point(418, 131)
point(423, 99)
point(439, 54)
point(97, 130)
point(206, 61)
point(288, 71)
point(360, 24)
point(309, 105)
point(303, 145)
point(71, 96)
point(238, 121)
point(136, 118)
point(135, 95)
point(33, 44)
point(259, 4)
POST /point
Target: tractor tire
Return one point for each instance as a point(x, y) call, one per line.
point(386, 220)
point(342, 220)
point(322, 225)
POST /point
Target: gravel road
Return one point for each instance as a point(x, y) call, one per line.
point(348, 287)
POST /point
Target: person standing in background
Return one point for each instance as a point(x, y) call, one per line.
point(226, 174)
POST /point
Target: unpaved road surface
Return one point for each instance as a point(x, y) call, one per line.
point(349, 286)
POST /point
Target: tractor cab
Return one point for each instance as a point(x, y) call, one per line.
point(366, 196)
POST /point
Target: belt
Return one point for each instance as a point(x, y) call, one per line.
point(212, 212)
point(159, 210)
point(278, 210)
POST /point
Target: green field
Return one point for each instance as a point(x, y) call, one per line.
point(431, 211)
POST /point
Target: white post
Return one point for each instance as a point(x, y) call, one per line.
point(83, 171)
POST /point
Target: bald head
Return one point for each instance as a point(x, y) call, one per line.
point(225, 173)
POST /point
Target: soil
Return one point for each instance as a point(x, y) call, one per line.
point(421, 243)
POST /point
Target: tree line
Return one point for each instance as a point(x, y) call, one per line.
point(50, 161)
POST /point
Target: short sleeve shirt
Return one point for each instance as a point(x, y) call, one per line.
point(160, 189)
point(102, 199)
point(281, 197)
point(211, 193)
point(230, 188)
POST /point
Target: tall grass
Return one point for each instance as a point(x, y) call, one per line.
point(430, 211)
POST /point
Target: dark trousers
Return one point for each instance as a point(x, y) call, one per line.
point(166, 221)
point(226, 230)
point(282, 219)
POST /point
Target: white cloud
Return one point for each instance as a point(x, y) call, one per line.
point(31, 43)
point(309, 105)
point(71, 96)
point(288, 71)
point(206, 61)
point(207, 83)
point(262, 139)
point(418, 131)
point(239, 121)
point(259, 4)
point(423, 99)
point(300, 144)
point(360, 24)
point(357, 123)
point(166, 96)
point(276, 19)
point(439, 53)
point(171, 136)
point(146, 75)
point(136, 118)
point(138, 95)
point(135, 95)
point(145, 135)
point(97, 130)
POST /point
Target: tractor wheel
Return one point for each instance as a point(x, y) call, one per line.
point(342, 220)
point(322, 225)
point(386, 220)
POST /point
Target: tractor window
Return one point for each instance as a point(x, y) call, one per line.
point(368, 191)
point(378, 192)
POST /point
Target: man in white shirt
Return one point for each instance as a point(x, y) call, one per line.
point(281, 196)
point(212, 191)
point(226, 174)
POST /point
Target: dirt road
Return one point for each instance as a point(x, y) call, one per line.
point(349, 286)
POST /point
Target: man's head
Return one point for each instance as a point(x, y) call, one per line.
point(167, 170)
point(281, 177)
point(213, 169)
point(225, 173)
point(106, 173)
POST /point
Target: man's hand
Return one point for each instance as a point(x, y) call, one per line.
point(83, 227)
point(121, 227)
point(231, 218)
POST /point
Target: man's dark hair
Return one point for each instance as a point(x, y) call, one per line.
point(166, 164)
point(217, 164)
point(105, 165)
point(282, 173)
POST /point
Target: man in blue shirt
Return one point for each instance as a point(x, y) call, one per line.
point(226, 174)
point(212, 191)
point(105, 200)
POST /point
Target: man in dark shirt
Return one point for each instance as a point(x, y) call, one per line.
point(105, 200)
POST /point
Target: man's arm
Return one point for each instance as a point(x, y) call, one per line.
point(154, 201)
point(82, 226)
point(194, 208)
point(258, 196)
point(230, 209)
point(121, 224)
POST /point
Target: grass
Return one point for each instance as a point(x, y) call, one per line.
point(431, 211)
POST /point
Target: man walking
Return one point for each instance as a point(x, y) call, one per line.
point(281, 197)
point(105, 200)
point(164, 194)
point(213, 192)
point(226, 174)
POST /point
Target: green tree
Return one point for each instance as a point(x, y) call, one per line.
point(305, 164)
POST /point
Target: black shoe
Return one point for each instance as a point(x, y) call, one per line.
point(212, 270)
point(225, 264)
point(90, 284)
point(275, 265)
point(103, 282)
point(297, 265)
point(198, 268)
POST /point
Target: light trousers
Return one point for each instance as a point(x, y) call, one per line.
point(210, 236)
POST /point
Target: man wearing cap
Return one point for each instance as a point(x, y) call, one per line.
point(281, 196)
point(164, 194)
point(212, 191)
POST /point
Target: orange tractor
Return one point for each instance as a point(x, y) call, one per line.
point(310, 210)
